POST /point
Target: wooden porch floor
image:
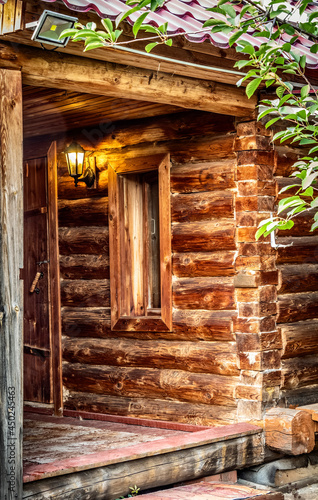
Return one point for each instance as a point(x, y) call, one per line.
point(100, 457)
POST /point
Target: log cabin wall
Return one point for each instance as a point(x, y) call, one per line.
point(297, 319)
point(191, 374)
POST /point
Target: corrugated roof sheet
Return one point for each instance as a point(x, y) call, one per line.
point(183, 16)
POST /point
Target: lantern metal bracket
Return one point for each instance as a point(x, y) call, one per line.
point(88, 177)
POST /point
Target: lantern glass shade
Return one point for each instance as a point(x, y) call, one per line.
point(75, 159)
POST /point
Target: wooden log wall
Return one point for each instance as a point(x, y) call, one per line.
point(297, 319)
point(190, 374)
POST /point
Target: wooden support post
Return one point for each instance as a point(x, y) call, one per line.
point(289, 431)
point(11, 290)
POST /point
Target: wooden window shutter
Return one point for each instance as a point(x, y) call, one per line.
point(140, 266)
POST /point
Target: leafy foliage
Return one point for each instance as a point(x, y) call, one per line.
point(270, 64)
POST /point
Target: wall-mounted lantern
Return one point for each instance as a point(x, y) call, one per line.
point(49, 27)
point(75, 155)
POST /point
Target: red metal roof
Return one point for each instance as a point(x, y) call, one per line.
point(183, 16)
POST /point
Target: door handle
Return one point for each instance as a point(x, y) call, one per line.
point(35, 282)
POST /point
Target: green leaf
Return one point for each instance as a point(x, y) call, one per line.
point(150, 46)
point(264, 113)
point(313, 150)
point(309, 179)
point(314, 203)
point(280, 91)
point(285, 188)
point(272, 121)
point(229, 10)
point(138, 23)
point(108, 25)
point(252, 87)
point(93, 45)
point(286, 225)
point(67, 33)
point(304, 91)
point(235, 37)
point(309, 192)
point(307, 141)
point(91, 26)
point(260, 231)
point(314, 226)
point(169, 42)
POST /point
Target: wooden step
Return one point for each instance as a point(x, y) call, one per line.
point(213, 491)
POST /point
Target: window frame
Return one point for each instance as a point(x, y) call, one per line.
point(119, 322)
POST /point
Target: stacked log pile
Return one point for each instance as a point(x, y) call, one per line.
point(297, 261)
point(190, 374)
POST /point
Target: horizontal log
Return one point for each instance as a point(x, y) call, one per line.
point(171, 466)
point(299, 339)
point(203, 264)
point(204, 325)
point(91, 293)
point(299, 372)
point(83, 212)
point(202, 206)
point(297, 307)
point(187, 325)
point(201, 148)
point(85, 266)
point(203, 293)
point(203, 236)
point(289, 431)
point(298, 397)
point(297, 250)
point(197, 357)
point(75, 73)
point(197, 177)
point(151, 383)
point(162, 128)
point(67, 190)
point(156, 409)
point(298, 278)
point(83, 240)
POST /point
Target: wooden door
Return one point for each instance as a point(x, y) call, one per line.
point(37, 335)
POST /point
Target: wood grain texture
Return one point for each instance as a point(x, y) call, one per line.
point(88, 211)
point(120, 81)
point(203, 206)
point(297, 250)
point(151, 383)
point(196, 357)
point(192, 325)
point(289, 431)
point(203, 293)
point(11, 288)
point(298, 278)
point(179, 465)
point(85, 266)
point(299, 339)
point(189, 265)
point(158, 409)
point(91, 293)
point(198, 177)
point(299, 372)
point(203, 236)
point(90, 239)
point(54, 280)
point(297, 307)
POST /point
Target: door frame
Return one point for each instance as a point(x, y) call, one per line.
point(54, 281)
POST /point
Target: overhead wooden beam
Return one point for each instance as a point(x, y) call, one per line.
point(50, 69)
point(11, 291)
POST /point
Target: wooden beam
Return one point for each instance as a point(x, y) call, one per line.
point(50, 69)
point(11, 289)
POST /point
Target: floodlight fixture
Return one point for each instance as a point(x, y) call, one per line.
point(50, 26)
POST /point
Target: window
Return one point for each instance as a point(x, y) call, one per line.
point(140, 244)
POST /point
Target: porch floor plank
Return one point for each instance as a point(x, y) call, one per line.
point(212, 491)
